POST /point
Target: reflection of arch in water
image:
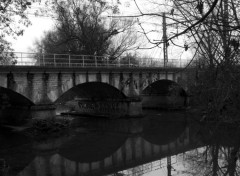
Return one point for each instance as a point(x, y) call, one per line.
point(16, 150)
point(164, 94)
point(91, 147)
point(161, 132)
point(133, 151)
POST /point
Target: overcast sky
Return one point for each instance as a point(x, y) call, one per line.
point(41, 24)
point(33, 32)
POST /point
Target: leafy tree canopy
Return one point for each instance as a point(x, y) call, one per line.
point(12, 19)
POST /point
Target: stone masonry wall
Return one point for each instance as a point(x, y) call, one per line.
point(43, 87)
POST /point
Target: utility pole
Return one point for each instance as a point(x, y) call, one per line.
point(226, 30)
point(169, 166)
point(165, 45)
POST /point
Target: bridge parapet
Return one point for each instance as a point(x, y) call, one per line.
point(47, 85)
point(71, 60)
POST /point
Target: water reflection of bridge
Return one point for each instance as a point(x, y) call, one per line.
point(87, 159)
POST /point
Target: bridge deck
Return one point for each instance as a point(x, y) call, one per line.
point(70, 60)
point(7, 68)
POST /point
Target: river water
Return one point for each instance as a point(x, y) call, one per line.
point(160, 143)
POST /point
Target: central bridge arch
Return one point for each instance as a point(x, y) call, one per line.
point(95, 98)
point(91, 90)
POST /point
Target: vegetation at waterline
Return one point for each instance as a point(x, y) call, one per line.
point(41, 129)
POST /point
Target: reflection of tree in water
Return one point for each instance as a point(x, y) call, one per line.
point(221, 154)
point(213, 160)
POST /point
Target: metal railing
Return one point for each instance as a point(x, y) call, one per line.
point(70, 60)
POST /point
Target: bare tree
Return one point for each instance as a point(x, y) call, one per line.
point(125, 41)
point(211, 29)
point(217, 42)
point(82, 27)
point(219, 154)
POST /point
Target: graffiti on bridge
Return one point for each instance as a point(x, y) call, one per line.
point(101, 107)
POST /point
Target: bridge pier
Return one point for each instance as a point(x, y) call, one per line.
point(43, 111)
point(108, 107)
point(134, 107)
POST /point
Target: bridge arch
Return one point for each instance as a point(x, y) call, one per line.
point(164, 93)
point(88, 148)
point(94, 98)
point(14, 98)
point(91, 90)
point(14, 107)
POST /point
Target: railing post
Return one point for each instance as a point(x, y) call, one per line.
point(119, 63)
point(43, 59)
point(83, 60)
point(129, 62)
point(21, 60)
point(107, 62)
point(95, 60)
point(69, 60)
point(54, 59)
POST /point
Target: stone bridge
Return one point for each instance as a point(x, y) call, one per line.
point(37, 86)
